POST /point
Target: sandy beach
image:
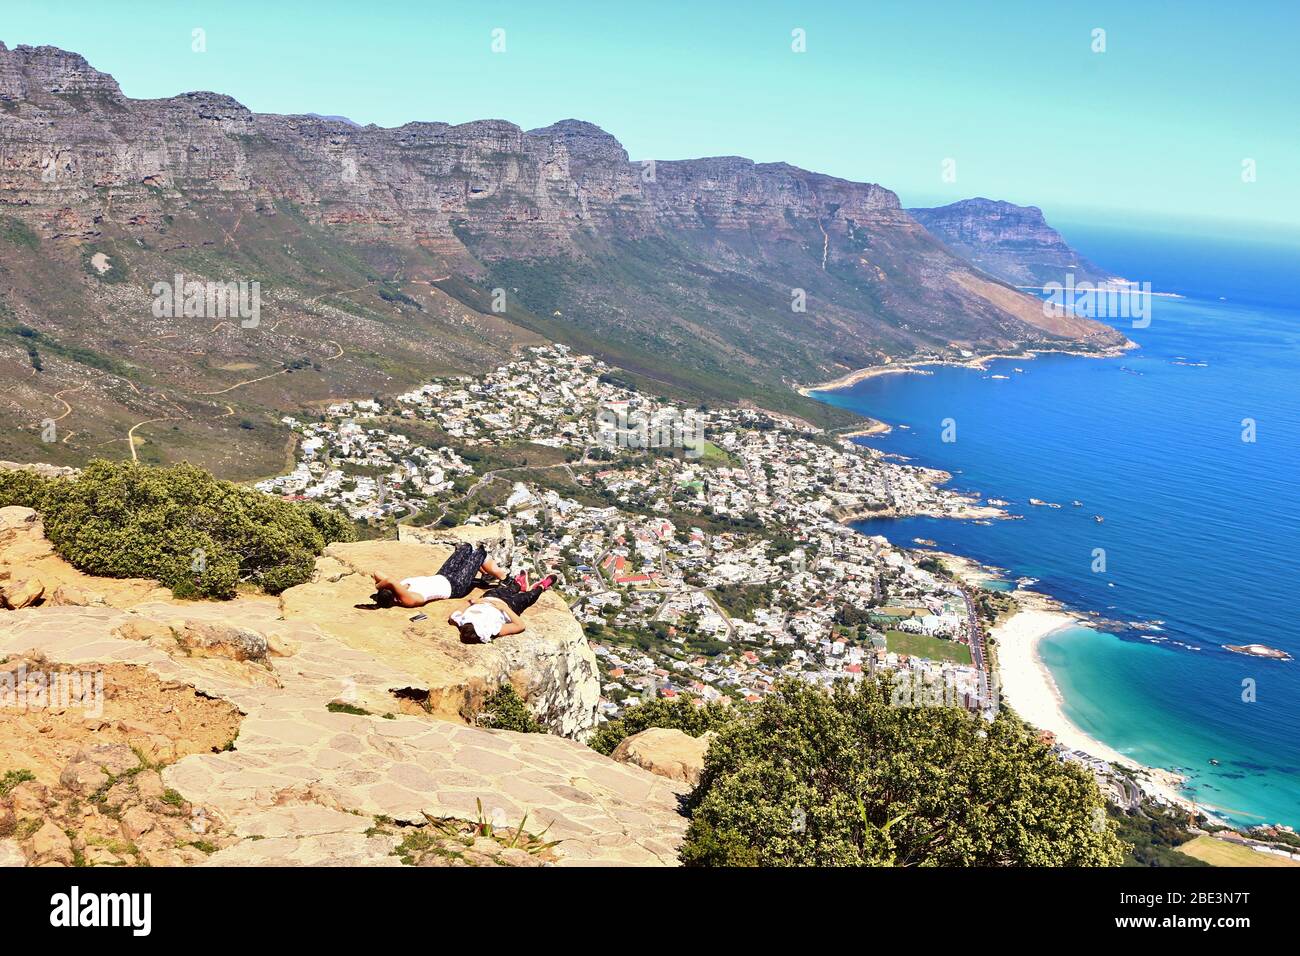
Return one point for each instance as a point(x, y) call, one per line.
point(1027, 685)
point(1028, 688)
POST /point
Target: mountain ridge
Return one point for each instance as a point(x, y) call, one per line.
point(1010, 242)
point(387, 254)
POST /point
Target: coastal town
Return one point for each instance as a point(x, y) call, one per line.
point(708, 553)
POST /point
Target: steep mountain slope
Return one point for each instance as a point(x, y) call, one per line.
point(1013, 243)
point(384, 255)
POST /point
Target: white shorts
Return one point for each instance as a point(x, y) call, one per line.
point(434, 587)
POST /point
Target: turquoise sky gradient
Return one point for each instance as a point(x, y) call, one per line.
point(1149, 134)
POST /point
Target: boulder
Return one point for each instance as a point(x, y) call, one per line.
point(20, 590)
point(211, 639)
point(148, 783)
point(29, 797)
point(18, 518)
point(82, 776)
point(666, 751)
point(49, 845)
point(69, 595)
point(136, 822)
point(11, 854)
point(116, 759)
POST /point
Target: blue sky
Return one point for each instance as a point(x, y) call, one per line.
point(1150, 134)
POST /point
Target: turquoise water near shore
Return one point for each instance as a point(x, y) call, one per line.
point(1201, 528)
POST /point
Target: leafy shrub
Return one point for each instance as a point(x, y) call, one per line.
point(197, 534)
point(504, 709)
point(24, 488)
point(681, 714)
point(13, 778)
point(811, 778)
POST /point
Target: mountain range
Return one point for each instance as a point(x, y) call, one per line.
point(383, 256)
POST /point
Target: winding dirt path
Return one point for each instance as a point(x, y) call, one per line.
point(67, 408)
point(130, 435)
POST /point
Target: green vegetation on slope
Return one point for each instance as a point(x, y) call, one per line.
point(198, 535)
point(1153, 836)
point(18, 233)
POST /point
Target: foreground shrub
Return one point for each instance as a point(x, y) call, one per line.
point(197, 534)
point(24, 488)
point(504, 709)
point(682, 714)
point(810, 778)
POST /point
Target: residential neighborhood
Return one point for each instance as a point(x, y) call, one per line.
point(705, 551)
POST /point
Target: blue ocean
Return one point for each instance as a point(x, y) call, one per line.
point(1201, 524)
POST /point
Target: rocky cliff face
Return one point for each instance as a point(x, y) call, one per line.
point(69, 131)
point(385, 254)
point(1013, 243)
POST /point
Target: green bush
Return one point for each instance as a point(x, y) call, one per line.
point(197, 534)
point(504, 709)
point(811, 778)
point(24, 488)
point(680, 713)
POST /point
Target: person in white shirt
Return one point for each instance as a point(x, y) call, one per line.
point(454, 579)
point(496, 613)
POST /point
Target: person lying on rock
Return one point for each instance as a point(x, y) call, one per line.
point(496, 613)
point(454, 579)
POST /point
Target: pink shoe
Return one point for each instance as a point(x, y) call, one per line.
point(521, 579)
point(547, 582)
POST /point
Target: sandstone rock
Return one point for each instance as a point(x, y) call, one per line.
point(101, 856)
point(158, 748)
point(38, 468)
point(294, 752)
point(117, 759)
point(25, 553)
point(148, 783)
point(20, 591)
point(16, 517)
point(49, 844)
point(208, 639)
point(29, 798)
point(666, 751)
point(136, 822)
point(144, 629)
point(11, 854)
point(68, 595)
point(82, 776)
point(277, 645)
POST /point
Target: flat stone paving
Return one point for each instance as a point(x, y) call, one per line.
point(303, 784)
